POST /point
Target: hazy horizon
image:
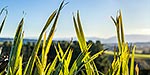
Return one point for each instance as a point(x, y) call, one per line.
point(95, 17)
point(115, 36)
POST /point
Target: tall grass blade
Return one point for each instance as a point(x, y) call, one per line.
point(77, 63)
point(67, 62)
point(137, 69)
point(29, 67)
point(2, 25)
point(16, 49)
point(39, 66)
point(58, 70)
point(51, 34)
point(43, 51)
point(46, 69)
point(3, 22)
point(52, 67)
point(121, 27)
point(19, 72)
point(16, 38)
point(95, 56)
point(118, 32)
point(58, 54)
point(18, 58)
point(132, 62)
point(69, 57)
point(82, 43)
point(60, 50)
point(66, 52)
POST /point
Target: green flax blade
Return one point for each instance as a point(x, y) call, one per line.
point(132, 62)
point(29, 67)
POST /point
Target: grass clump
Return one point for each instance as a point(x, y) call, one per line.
point(122, 52)
point(38, 65)
point(3, 66)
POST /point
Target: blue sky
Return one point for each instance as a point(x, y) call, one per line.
point(95, 16)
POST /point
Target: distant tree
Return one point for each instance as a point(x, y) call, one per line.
point(102, 61)
point(64, 45)
point(76, 51)
point(6, 47)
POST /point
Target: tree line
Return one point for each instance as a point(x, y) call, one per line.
point(101, 62)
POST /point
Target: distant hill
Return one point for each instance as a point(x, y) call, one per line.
point(24, 40)
point(5, 39)
point(129, 38)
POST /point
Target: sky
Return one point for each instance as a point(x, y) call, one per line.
point(95, 17)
